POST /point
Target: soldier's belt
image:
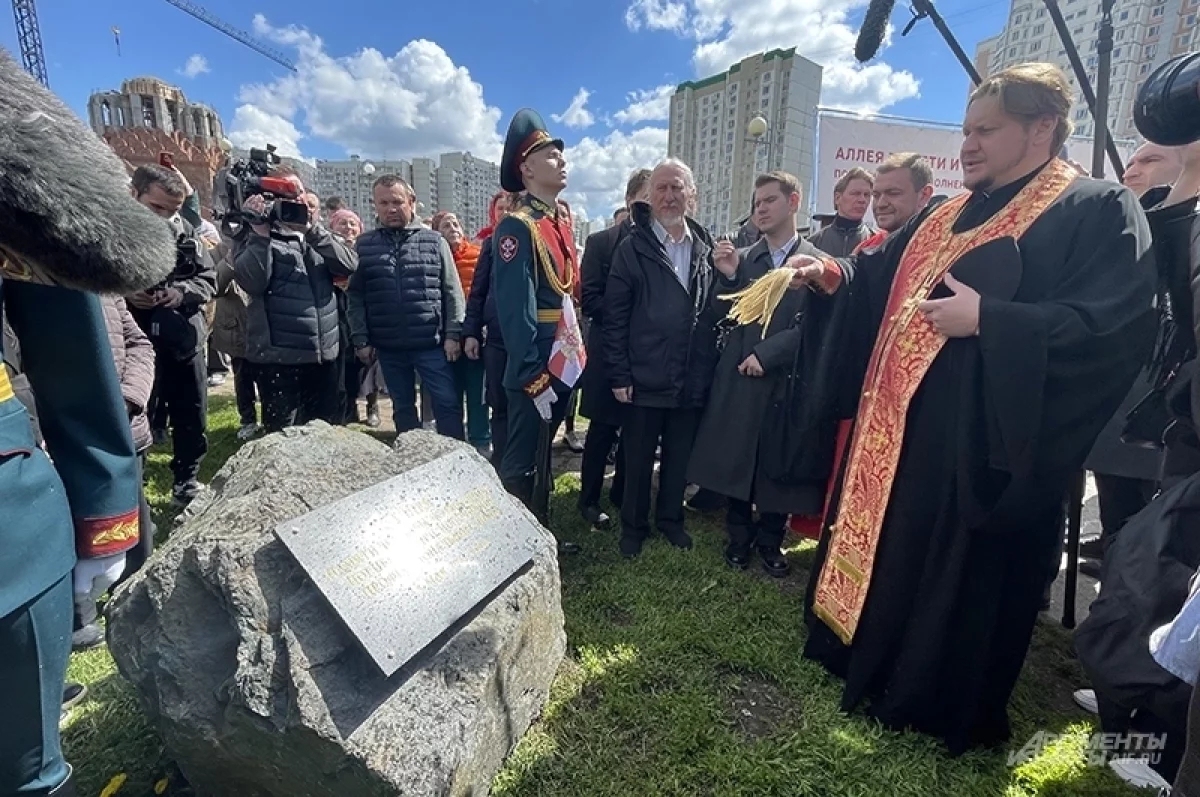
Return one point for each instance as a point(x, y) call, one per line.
point(548, 316)
point(6, 391)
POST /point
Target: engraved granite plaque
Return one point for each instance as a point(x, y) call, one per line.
point(402, 561)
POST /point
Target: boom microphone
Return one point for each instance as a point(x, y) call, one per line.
point(875, 22)
point(66, 214)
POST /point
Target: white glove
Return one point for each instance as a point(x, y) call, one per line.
point(94, 576)
point(543, 401)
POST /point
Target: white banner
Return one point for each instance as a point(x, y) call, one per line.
point(844, 142)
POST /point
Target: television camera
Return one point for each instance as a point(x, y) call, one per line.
point(252, 177)
point(1167, 111)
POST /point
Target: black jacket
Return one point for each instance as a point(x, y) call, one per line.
point(841, 237)
point(659, 337)
point(727, 451)
point(292, 315)
point(597, 402)
point(180, 332)
point(481, 303)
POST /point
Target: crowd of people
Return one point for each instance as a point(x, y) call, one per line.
point(918, 396)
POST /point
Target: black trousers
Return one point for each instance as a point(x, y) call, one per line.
point(767, 533)
point(641, 433)
point(524, 427)
point(293, 395)
point(601, 437)
point(182, 387)
point(495, 360)
point(244, 391)
point(36, 643)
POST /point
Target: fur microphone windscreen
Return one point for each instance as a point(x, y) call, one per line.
point(66, 213)
point(874, 27)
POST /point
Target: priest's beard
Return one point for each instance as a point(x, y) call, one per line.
point(1007, 165)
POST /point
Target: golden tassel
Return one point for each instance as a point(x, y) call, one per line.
point(757, 303)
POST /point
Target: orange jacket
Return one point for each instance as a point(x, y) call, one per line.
point(465, 258)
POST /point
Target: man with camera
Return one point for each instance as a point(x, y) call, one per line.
point(286, 265)
point(171, 313)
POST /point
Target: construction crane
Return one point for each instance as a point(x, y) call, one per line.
point(224, 27)
point(29, 38)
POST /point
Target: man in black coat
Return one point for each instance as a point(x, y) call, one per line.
point(660, 349)
point(599, 405)
point(752, 372)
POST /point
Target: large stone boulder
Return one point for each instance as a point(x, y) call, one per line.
point(257, 687)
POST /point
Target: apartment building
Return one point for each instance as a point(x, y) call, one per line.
point(1146, 33)
point(711, 130)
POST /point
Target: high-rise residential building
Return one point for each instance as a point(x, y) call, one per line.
point(1146, 33)
point(424, 185)
point(353, 179)
point(465, 185)
point(711, 130)
point(148, 117)
point(457, 182)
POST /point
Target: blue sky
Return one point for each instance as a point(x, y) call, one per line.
point(438, 76)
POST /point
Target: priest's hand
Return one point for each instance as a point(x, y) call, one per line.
point(808, 271)
point(956, 316)
point(750, 367)
point(725, 258)
point(623, 394)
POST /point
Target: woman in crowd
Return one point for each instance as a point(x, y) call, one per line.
point(358, 380)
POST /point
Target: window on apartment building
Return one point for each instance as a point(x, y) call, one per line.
point(1041, 13)
point(1012, 52)
point(1033, 48)
point(1116, 53)
point(1017, 19)
point(1038, 30)
point(1153, 30)
point(1191, 19)
point(1156, 12)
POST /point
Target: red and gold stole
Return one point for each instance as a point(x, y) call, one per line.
point(905, 347)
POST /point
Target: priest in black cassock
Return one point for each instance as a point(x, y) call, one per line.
point(997, 333)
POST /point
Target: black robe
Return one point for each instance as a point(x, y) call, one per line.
point(997, 426)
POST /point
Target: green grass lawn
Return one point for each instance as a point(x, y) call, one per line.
point(682, 678)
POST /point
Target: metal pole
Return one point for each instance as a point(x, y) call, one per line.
point(1085, 85)
point(1104, 47)
point(924, 8)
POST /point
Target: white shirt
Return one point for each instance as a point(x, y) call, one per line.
point(679, 252)
point(779, 256)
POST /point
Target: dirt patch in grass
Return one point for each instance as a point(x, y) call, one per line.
point(758, 707)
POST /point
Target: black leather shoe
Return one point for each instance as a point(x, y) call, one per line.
point(568, 548)
point(678, 537)
point(596, 517)
point(707, 501)
point(1091, 549)
point(737, 556)
point(630, 547)
point(1090, 568)
point(72, 694)
point(774, 562)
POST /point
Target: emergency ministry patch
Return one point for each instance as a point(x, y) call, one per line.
point(508, 248)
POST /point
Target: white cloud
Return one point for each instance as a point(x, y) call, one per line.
point(656, 15)
point(599, 167)
point(196, 65)
point(725, 31)
point(254, 127)
point(650, 105)
point(577, 114)
point(416, 102)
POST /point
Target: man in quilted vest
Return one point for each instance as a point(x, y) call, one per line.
point(406, 307)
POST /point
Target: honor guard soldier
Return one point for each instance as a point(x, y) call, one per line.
point(535, 275)
point(66, 222)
